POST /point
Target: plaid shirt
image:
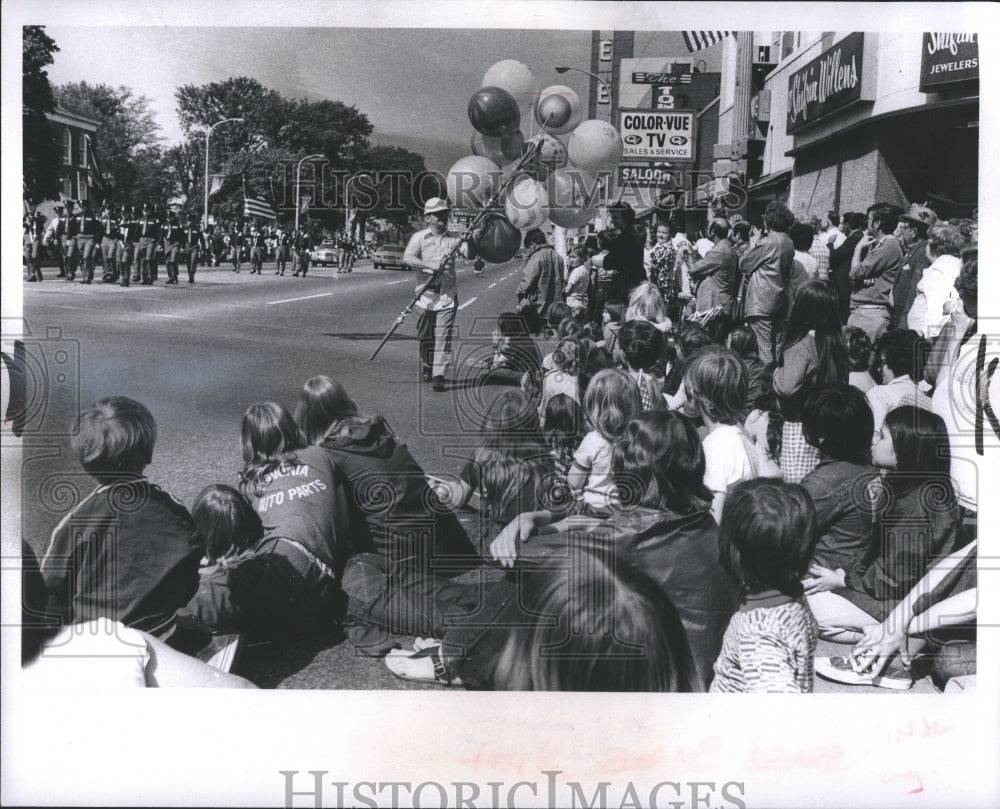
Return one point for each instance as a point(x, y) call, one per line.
point(821, 253)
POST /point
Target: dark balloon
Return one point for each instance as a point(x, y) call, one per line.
point(494, 112)
point(499, 240)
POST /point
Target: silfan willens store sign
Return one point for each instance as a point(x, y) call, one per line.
point(836, 79)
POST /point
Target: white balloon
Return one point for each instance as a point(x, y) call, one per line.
point(595, 145)
point(551, 155)
point(559, 109)
point(514, 77)
point(471, 181)
point(526, 204)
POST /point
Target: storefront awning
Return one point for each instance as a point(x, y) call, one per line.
point(771, 180)
point(951, 103)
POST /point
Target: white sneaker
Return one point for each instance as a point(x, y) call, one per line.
point(841, 670)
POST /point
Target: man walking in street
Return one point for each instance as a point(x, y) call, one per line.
point(34, 230)
point(875, 266)
point(543, 275)
point(148, 228)
point(89, 235)
point(193, 246)
point(429, 251)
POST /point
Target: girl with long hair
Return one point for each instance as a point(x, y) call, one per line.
point(301, 498)
point(408, 542)
point(813, 354)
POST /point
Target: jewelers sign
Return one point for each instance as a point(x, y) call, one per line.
point(828, 83)
point(948, 59)
point(657, 135)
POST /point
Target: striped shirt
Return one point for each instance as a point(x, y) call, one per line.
point(768, 647)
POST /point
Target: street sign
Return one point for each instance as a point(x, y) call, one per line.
point(648, 177)
point(657, 134)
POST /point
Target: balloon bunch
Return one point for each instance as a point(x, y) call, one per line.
point(557, 183)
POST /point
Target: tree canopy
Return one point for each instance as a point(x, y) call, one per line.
point(41, 146)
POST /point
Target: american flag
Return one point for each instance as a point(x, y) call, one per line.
point(259, 207)
point(217, 181)
point(699, 40)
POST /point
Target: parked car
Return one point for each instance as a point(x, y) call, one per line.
point(389, 256)
point(325, 254)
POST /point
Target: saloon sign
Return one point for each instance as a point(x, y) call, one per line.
point(948, 59)
point(657, 135)
point(828, 83)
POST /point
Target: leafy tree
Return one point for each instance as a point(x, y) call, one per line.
point(42, 150)
point(127, 143)
point(388, 190)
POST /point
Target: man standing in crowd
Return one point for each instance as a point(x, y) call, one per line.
point(875, 266)
point(543, 275)
point(88, 237)
point(832, 233)
point(626, 247)
point(148, 232)
point(109, 244)
point(912, 234)
point(714, 276)
point(34, 230)
point(767, 270)
point(193, 246)
point(820, 250)
point(840, 260)
point(429, 251)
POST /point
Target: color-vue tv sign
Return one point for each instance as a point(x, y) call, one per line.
point(655, 134)
point(948, 59)
point(830, 82)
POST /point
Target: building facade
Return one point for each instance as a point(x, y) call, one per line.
point(849, 119)
point(79, 176)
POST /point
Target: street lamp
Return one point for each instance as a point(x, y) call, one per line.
point(594, 76)
point(208, 136)
point(297, 169)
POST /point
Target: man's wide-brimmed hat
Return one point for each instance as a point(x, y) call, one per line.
point(435, 205)
point(920, 215)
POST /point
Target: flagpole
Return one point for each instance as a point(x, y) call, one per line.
point(208, 137)
point(298, 168)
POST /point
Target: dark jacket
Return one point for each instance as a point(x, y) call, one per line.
point(128, 552)
point(844, 498)
point(679, 552)
point(915, 261)
point(542, 279)
point(768, 270)
point(717, 275)
point(392, 509)
point(919, 527)
point(840, 270)
point(627, 258)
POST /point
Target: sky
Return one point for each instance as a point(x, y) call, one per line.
point(413, 84)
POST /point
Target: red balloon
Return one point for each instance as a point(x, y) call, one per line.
point(494, 112)
point(499, 240)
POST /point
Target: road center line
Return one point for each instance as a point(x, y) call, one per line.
point(471, 300)
point(303, 298)
point(159, 314)
point(401, 281)
point(493, 285)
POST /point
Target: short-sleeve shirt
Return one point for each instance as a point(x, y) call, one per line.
point(428, 247)
point(594, 455)
point(577, 283)
point(729, 458)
